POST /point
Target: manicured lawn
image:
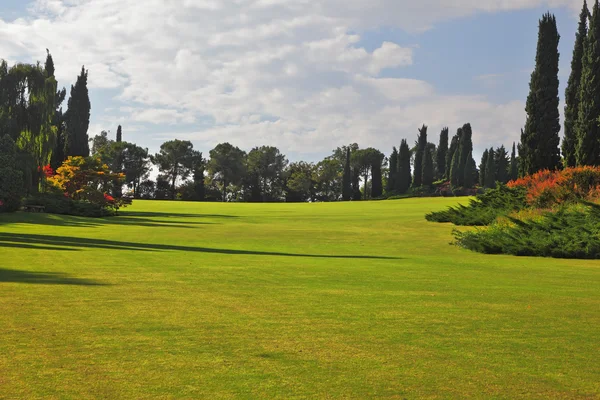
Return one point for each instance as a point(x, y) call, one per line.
point(357, 300)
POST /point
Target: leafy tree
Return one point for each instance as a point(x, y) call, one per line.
point(163, 189)
point(347, 179)
point(482, 167)
point(101, 144)
point(427, 168)
point(420, 152)
point(299, 186)
point(328, 179)
point(587, 146)
point(502, 165)
point(175, 161)
point(540, 140)
point(364, 160)
point(393, 172)
point(442, 153)
point(78, 118)
point(490, 170)
point(227, 166)
point(514, 166)
point(11, 178)
point(404, 173)
point(146, 189)
point(572, 91)
point(376, 179)
point(267, 164)
point(198, 167)
point(136, 166)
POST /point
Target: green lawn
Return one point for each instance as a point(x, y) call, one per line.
point(354, 300)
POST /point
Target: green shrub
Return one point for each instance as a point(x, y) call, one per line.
point(55, 203)
point(11, 179)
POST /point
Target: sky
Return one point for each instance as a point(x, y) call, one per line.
point(306, 76)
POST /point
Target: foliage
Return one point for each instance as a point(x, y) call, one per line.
point(404, 172)
point(226, 166)
point(514, 164)
point(427, 174)
point(300, 185)
point(78, 118)
point(490, 170)
point(347, 178)
point(11, 179)
point(483, 167)
point(267, 164)
point(175, 161)
point(419, 154)
point(441, 154)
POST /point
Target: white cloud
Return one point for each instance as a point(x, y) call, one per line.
point(287, 72)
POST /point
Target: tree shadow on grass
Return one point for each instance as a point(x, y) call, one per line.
point(43, 278)
point(62, 242)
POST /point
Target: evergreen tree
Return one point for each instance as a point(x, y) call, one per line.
point(490, 170)
point(78, 118)
point(356, 194)
point(514, 167)
point(404, 174)
point(421, 146)
point(58, 152)
point(11, 178)
point(502, 165)
point(470, 172)
point(427, 168)
point(587, 147)
point(450, 155)
point(540, 139)
point(347, 179)
point(442, 152)
point(465, 152)
point(198, 166)
point(482, 167)
point(376, 178)
point(393, 171)
point(119, 134)
point(455, 170)
point(572, 91)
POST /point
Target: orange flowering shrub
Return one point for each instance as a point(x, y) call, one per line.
point(546, 189)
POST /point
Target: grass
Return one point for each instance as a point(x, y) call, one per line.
point(357, 300)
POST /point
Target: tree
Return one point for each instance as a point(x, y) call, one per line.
point(572, 91)
point(299, 186)
point(227, 166)
point(393, 172)
point(78, 118)
point(175, 161)
point(450, 155)
point(465, 152)
point(58, 121)
point(482, 167)
point(490, 170)
point(364, 160)
point(502, 165)
point(457, 172)
point(11, 178)
point(136, 166)
point(404, 173)
point(514, 166)
point(441, 154)
point(376, 176)
point(162, 189)
point(266, 164)
point(347, 179)
point(420, 152)
point(328, 179)
point(427, 168)
point(198, 166)
point(587, 146)
point(540, 140)
point(119, 134)
point(470, 172)
point(146, 189)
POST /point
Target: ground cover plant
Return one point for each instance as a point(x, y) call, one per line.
point(349, 300)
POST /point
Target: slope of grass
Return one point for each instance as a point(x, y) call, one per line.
point(357, 300)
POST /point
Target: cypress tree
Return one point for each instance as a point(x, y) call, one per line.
point(347, 179)
point(587, 150)
point(356, 195)
point(376, 178)
point(78, 118)
point(470, 172)
point(442, 152)
point(393, 172)
point(490, 170)
point(199, 189)
point(514, 167)
point(404, 175)
point(465, 151)
point(455, 169)
point(572, 91)
point(421, 146)
point(540, 138)
point(502, 165)
point(427, 168)
point(482, 167)
point(119, 134)
point(449, 156)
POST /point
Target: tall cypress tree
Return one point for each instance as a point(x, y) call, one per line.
point(427, 168)
point(393, 172)
point(572, 91)
point(404, 175)
point(470, 172)
point(58, 153)
point(376, 177)
point(502, 165)
point(465, 152)
point(450, 155)
point(119, 134)
point(421, 146)
point(490, 170)
point(514, 166)
point(442, 152)
point(482, 167)
point(587, 147)
point(540, 138)
point(347, 179)
point(356, 194)
point(78, 118)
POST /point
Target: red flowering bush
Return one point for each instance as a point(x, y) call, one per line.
point(546, 189)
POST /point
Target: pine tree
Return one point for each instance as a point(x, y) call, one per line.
point(78, 118)
point(514, 166)
point(421, 146)
point(347, 179)
point(393, 171)
point(482, 167)
point(572, 91)
point(199, 189)
point(540, 139)
point(450, 155)
point(470, 172)
point(404, 174)
point(502, 165)
point(490, 170)
point(427, 168)
point(587, 147)
point(442, 152)
point(119, 134)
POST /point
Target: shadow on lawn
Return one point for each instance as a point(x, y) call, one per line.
point(73, 243)
point(43, 278)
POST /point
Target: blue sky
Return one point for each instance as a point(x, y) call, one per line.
point(304, 77)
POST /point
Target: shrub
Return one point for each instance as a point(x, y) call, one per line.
point(11, 179)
